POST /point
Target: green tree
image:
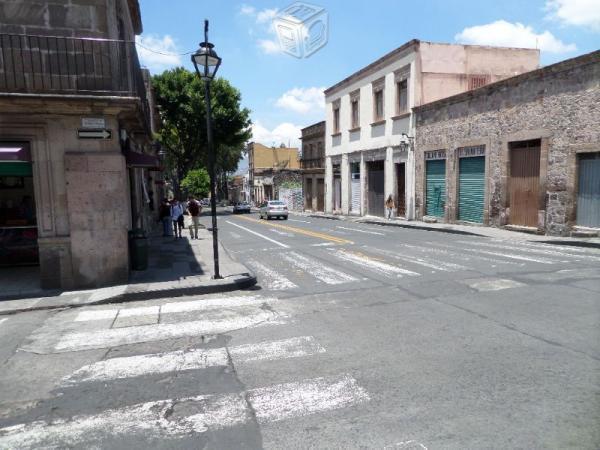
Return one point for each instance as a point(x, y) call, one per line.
point(196, 183)
point(180, 102)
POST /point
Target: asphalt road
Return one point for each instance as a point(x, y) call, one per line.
point(357, 336)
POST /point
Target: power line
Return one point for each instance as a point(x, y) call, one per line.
point(163, 53)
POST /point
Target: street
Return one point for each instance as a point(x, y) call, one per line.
point(356, 336)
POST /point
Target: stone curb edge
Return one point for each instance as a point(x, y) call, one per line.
point(420, 227)
point(231, 283)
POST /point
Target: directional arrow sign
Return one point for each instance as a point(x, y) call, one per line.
point(94, 134)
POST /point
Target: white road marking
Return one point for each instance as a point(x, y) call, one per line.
point(161, 419)
point(492, 285)
point(258, 234)
point(271, 279)
point(317, 269)
point(449, 251)
point(510, 256)
point(3, 320)
point(533, 249)
point(361, 231)
point(406, 445)
point(193, 359)
point(378, 266)
point(175, 307)
point(323, 244)
point(281, 233)
point(226, 322)
point(297, 220)
point(442, 266)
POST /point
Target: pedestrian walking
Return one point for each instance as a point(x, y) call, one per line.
point(389, 206)
point(164, 216)
point(177, 217)
point(194, 209)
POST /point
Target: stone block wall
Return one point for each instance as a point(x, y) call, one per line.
point(98, 217)
point(559, 104)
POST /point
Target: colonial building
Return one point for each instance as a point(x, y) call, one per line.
point(75, 130)
point(522, 152)
point(368, 116)
point(269, 168)
point(312, 164)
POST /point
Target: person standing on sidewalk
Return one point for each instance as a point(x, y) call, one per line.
point(389, 206)
point(177, 217)
point(164, 216)
point(194, 208)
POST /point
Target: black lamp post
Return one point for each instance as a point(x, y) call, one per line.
point(207, 62)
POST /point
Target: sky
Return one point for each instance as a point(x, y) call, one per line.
point(284, 93)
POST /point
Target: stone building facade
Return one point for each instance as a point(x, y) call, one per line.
point(76, 119)
point(312, 164)
point(522, 153)
point(369, 116)
point(269, 168)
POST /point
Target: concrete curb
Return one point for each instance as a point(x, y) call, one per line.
point(420, 227)
point(227, 284)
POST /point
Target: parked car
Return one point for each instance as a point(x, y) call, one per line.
point(273, 208)
point(241, 207)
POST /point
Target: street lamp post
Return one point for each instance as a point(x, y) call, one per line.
point(207, 62)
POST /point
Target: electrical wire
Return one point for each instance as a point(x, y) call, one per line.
point(151, 50)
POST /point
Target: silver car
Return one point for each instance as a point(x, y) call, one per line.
point(273, 208)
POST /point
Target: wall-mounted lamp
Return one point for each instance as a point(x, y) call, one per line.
point(406, 142)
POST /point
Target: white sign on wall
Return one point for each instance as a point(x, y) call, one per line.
point(93, 122)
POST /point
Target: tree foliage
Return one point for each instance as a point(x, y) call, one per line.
point(181, 106)
point(196, 183)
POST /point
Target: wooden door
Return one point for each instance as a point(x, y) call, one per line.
point(524, 183)
point(320, 194)
point(401, 193)
point(308, 199)
point(376, 195)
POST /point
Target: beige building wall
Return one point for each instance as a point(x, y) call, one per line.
point(275, 157)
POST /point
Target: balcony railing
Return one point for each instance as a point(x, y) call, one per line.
point(70, 66)
point(312, 163)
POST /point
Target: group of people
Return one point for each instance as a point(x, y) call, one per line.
point(172, 214)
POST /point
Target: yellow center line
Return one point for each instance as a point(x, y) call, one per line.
point(323, 236)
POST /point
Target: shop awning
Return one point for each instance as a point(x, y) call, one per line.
point(134, 159)
point(15, 169)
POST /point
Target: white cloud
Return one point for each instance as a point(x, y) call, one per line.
point(268, 46)
point(157, 53)
point(266, 15)
point(584, 13)
point(506, 34)
point(286, 133)
point(247, 10)
point(303, 100)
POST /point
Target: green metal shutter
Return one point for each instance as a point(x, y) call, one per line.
point(436, 187)
point(471, 189)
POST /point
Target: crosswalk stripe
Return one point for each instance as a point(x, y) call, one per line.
point(159, 419)
point(318, 270)
point(271, 279)
point(535, 249)
point(174, 307)
point(3, 320)
point(193, 359)
point(439, 265)
point(367, 261)
point(506, 255)
point(113, 337)
point(361, 231)
point(454, 252)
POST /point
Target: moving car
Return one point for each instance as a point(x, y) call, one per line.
point(241, 207)
point(273, 208)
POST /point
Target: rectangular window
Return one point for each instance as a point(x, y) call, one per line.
point(378, 105)
point(355, 117)
point(336, 120)
point(402, 96)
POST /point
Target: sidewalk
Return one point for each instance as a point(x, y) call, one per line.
point(176, 267)
point(473, 230)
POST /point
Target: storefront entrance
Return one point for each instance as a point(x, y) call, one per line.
point(401, 192)
point(524, 182)
point(18, 223)
point(376, 200)
point(588, 194)
point(435, 195)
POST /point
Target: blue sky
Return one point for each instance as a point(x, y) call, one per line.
point(284, 93)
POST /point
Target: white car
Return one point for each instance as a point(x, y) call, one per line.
point(273, 208)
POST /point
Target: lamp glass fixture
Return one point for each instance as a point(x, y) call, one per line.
point(206, 61)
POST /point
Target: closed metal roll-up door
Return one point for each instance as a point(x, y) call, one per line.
point(588, 196)
point(471, 189)
point(436, 187)
point(355, 187)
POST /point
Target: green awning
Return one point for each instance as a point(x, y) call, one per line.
point(15, 169)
